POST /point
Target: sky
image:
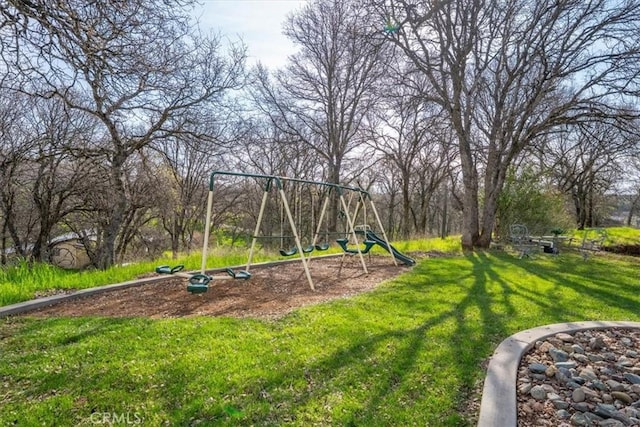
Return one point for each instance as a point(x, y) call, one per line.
point(257, 22)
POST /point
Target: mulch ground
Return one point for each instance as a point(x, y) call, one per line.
point(271, 292)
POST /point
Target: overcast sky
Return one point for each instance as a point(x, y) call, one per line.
point(257, 22)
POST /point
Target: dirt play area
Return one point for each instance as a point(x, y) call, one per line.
point(272, 291)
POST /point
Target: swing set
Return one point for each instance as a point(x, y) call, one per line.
point(199, 283)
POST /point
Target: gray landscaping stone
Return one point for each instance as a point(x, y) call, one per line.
point(537, 368)
point(614, 385)
point(579, 419)
point(558, 355)
point(581, 406)
point(588, 374)
point(568, 365)
point(579, 380)
point(560, 404)
point(610, 423)
point(632, 378)
point(577, 348)
point(565, 337)
point(593, 418)
point(597, 343)
point(604, 410)
point(538, 392)
point(578, 395)
point(599, 385)
point(524, 388)
point(580, 358)
point(624, 362)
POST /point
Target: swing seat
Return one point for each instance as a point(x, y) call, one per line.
point(289, 252)
point(343, 244)
point(308, 249)
point(240, 274)
point(199, 279)
point(165, 269)
point(198, 283)
point(322, 246)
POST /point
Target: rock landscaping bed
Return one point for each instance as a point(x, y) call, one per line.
point(590, 378)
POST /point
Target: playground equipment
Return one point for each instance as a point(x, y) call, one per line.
point(199, 282)
point(592, 241)
point(521, 240)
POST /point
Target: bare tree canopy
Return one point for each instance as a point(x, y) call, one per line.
point(136, 67)
point(507, 73)
point(321, 99)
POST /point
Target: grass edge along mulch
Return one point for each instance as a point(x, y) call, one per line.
point(409, 352)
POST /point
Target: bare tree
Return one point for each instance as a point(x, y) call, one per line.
point(323, 96)
point(184, 169)
point(136, 67)
point(55, 177)
point(16, 144)
point(408, 133)
point(585, 161)
point(633, 186)
point(506, 73)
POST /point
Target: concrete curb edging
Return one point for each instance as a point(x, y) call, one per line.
point(23, 307)
point(499, 406)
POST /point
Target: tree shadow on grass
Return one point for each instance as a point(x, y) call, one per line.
point(409, 352)
point(418, 371)
point(591, 283)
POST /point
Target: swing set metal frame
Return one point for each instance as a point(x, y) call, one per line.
point(199, 282)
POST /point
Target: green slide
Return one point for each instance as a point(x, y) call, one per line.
point(393, 251)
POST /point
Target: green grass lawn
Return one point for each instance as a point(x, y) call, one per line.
point(615, 236)
point(22, 282)
point(408, 353)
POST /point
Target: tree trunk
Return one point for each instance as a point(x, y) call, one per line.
point(445, 206)
point(470, 211)
point(392, 201)
point(334, 178)
point(107, 252)
point(494, 183)
point(632, 209)
point(406, 208)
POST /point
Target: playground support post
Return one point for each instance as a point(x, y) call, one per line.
point(384, 233)
point(296, 236)
point(353, 231)
point(325, 204)
point(258, 224)
point(207, 230)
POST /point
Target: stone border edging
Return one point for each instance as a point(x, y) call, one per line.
point(23, 307)
point(499, 406)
